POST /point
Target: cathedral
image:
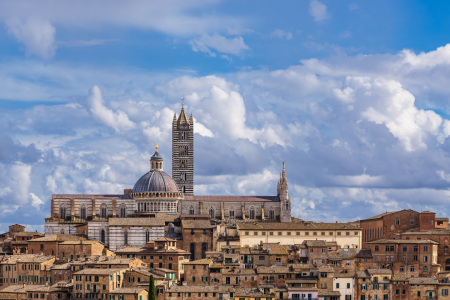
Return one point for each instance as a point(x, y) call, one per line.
point(151, 208)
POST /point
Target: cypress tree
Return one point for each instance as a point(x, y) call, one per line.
point(152, 289)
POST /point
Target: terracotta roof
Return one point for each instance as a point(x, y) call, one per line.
point(86, 242)
point(364, 253)
point(328, 293)
point(98, 271)
point(204, 261)
point(387, 241)
point(389, 213)
point(315, 243)
point(232, 198)
point(427, 232)
point(379, 271)
point(196, 224)
point(57, 238)
point(297, 226)
point(87, 196)
point(27, 233)
point(128, 290)
point(29, 258)
point(272, 269)
point(17, 288)
point(341, 254)
point(423, 280)
point(136, 222)
point(199, 289)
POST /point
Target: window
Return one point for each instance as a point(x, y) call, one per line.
point(271, 214)
point(415, 258)
point(337, 285)
point(125, 238)
point(62, 212)
point(402, 268)
point(377, 248)
point(347, 233)
point(348, 285)
point(411, 268)
point(411, 221)
point(191, 210)
point(425, 269)
point(405, 248)
point(444, 292)
point(252, 213)
point(231, 213)
point(255, 233)
point(397, 221)
point(425, 258)
point(415, 248)
point(123, 211)
point(280, 233)
point(103, 211)
point(425, 248)
point(212, 212)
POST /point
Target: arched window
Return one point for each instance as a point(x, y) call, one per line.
point(191, 210)
point(287, 205)
point(125, 238)
point(212, 212)
point(252, 213)
point(62, 212)
point(271, 213)
point(147, 236)
point(445, 250)
point(231, 213)
point(103, 211)
point(62, 231)
point(102, 236)
point(83, 212)
point(123, 211)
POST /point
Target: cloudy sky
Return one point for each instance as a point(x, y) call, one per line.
point(353, 96)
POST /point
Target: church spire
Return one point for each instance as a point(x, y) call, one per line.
point(156, 161)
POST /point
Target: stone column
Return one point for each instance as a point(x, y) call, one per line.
point(114, 208)
point(222, 213)
point(72, 209)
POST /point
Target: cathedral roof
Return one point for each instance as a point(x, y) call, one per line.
point(155, 181)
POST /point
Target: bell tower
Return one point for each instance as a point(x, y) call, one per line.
point(283, 195)
point(183, 152)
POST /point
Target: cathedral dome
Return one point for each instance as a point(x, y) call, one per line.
point(155, 181)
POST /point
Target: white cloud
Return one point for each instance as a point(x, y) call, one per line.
point(37, 35)
point(281, 34)
point(219, 43)
point(36, 202)
point(318, 10)
point(117, 120)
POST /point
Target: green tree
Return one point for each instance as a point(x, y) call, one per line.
point(152, 289)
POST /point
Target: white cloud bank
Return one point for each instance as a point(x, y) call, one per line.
point(37, 35)
point(318, 10)
point(219, 43)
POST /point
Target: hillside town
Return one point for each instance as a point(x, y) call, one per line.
point(218, 247)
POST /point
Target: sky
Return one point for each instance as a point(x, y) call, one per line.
point(352, 95)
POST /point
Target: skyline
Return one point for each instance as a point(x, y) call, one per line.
point(353, 96)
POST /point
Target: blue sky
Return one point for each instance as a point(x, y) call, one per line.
point(353, 95)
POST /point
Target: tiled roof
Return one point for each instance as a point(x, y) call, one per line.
point(389, 213)
point(364, 253)
point(379, 271)
point(324, 293)
point(427, 232)
point(98, 271)
point(199, 289)
point(343, 253)
point(136, 222)
point(57, 238)
point(387, 241)
point(29, 258)
point(128, 290)
point(232, 198)
point(204, 261)
point(315, 243)
point(196, 224)
point(17, 288)
point(86, 242)
point(297, 226)
point(272, 269)
point(27, 233)
point(423, 280)
point(87, 196)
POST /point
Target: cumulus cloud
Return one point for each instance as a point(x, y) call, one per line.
point(37, 35)
point(219, 43)
point(318, 10)
point(114, 119)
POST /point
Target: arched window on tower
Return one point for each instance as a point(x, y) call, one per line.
point(231, 213)
point(83, 212)
point(102, 236)
point(212, 212)
point(287, 205)
point(252, 213)
point(123, 211)
point(271, 213)
point(191, 210)
point(62, 212)
point(103, 211)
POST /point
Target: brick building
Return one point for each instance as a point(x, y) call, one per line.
point(49, 245)
point(97, 283)
point(197, 237)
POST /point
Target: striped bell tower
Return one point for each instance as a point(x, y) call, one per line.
point(183, 152)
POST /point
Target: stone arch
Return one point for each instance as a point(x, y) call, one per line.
point(231, 213)
point(83, 214)
point(123, 211)
point(272, 213)
point(252, 214)
point(103, 210)
point(63, 211)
